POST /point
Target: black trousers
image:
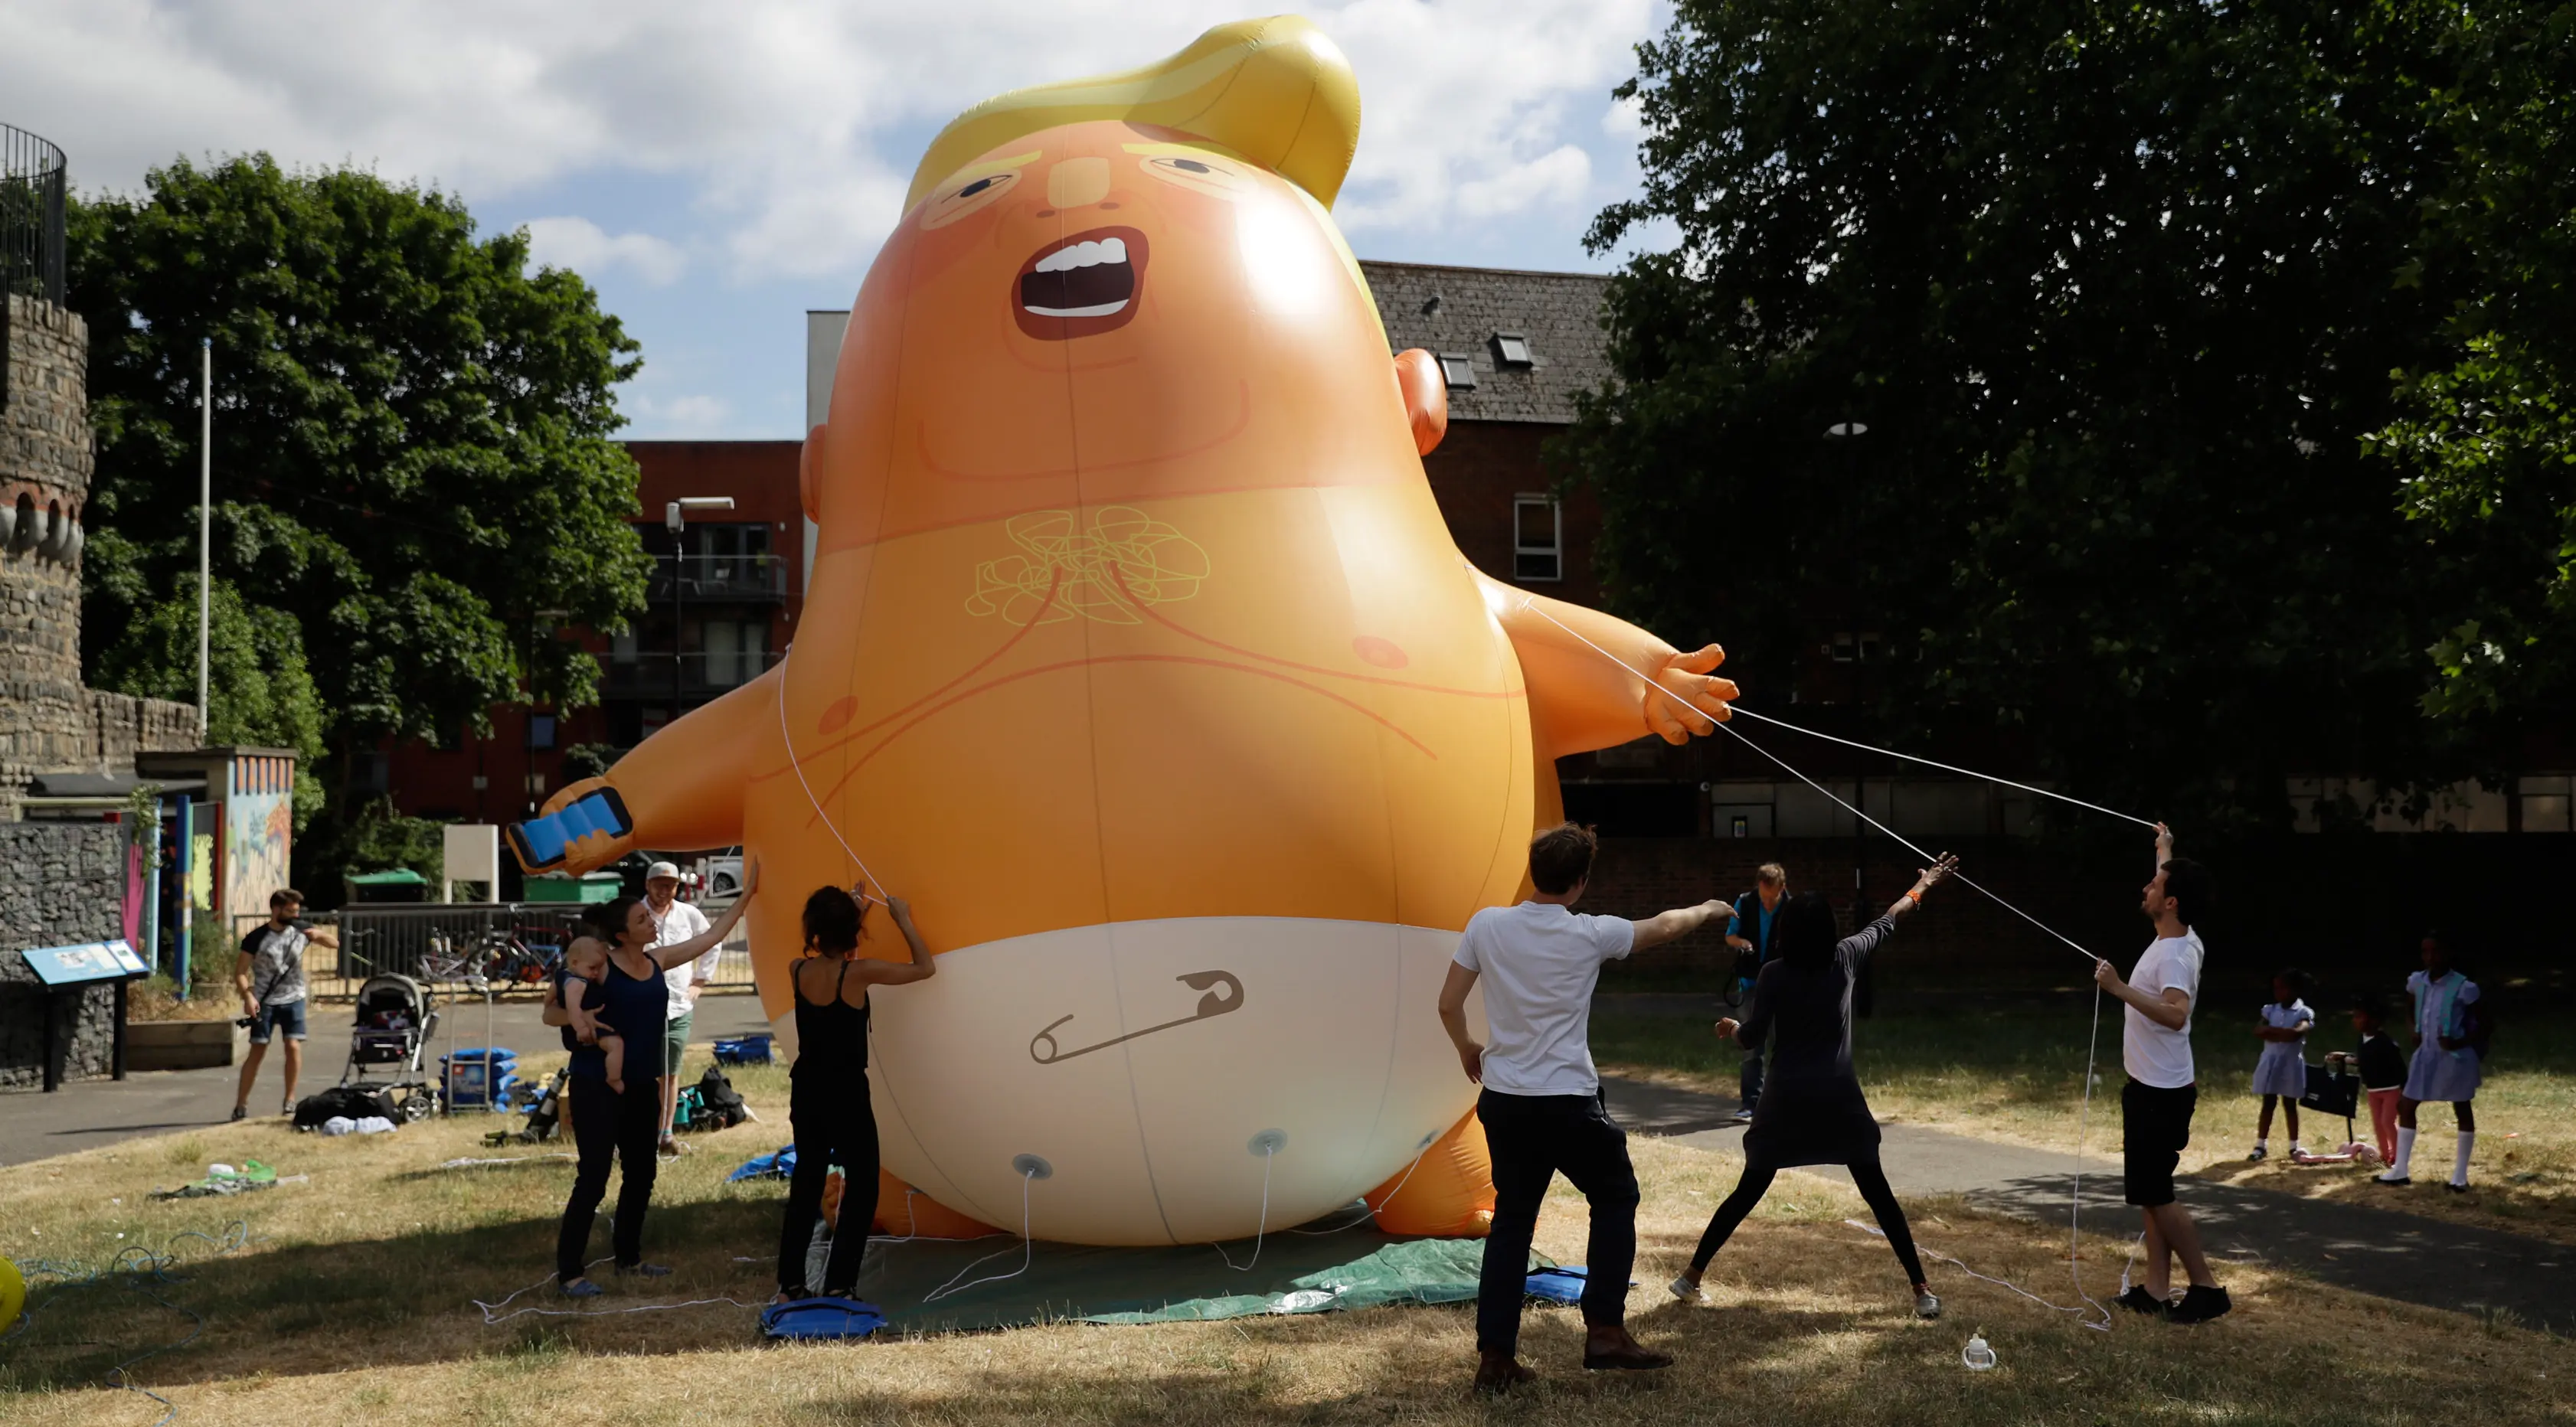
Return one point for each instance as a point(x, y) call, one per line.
point(1756, 1181)
point(1533, 1138)
point(605, 1126)
point(832, 1124)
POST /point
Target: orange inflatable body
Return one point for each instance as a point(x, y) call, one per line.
point(1139, 659)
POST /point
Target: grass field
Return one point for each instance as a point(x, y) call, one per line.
point(2016, 1073)
point(353, 1302)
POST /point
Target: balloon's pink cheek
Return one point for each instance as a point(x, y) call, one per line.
point(838, 715)
point(1382, 653)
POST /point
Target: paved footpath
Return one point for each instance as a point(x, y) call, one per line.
point(2376, 1251)
point(85, 1114)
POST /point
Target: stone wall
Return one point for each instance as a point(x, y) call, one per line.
point(48, 722)
point(46, 718)
point(64, 884)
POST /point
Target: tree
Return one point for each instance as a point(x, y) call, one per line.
point(258, 691)
point(2116, 291)
point(2486, 442)
point(412, 439)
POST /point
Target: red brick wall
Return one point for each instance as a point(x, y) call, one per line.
point(1477, 470)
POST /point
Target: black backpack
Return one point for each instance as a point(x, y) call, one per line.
point(721, 1106)
point(357, 1102)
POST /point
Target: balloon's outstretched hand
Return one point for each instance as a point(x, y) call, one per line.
point(1688, 677)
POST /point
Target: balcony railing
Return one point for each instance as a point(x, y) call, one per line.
point(648, 674)
point(739, 579)
point(31, 229)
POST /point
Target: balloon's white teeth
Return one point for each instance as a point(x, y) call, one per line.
point(1084, 255)
point(1102, 310)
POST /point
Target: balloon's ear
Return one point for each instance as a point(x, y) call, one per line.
point(809, 474)
point(1426, 397)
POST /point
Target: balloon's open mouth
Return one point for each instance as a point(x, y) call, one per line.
point(1084, 284)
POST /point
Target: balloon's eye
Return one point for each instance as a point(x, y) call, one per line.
point(1191, 166)
point(976, 187)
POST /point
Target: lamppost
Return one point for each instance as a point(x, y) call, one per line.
point(1846, 435)
point(528, 724)
point(675, 518)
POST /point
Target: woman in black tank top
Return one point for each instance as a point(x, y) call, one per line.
point(828, 1109)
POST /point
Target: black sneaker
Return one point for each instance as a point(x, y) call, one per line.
point(240, 1113)
point(2138, 1300)
point(2457, 1188)
point(2199, 1305)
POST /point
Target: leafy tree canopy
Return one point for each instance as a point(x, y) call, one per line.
point(259, 693)
point(411, 439)
point(2117, 292)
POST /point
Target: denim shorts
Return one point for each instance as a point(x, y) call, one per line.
point(288, 1018)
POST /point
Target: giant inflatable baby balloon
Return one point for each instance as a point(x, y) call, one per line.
point(1139, 659)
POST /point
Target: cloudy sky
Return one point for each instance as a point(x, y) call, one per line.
point(717, 169)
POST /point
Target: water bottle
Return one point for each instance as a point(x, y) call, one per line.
point(1977, 1355)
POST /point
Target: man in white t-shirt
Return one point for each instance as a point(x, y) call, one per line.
point(676, 921)
point(1541, 1106)
point(2157, 1102)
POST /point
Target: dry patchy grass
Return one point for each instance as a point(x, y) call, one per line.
point(354, 1305)
point(2016, 1075)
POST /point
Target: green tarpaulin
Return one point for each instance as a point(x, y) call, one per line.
point(1297, 1272)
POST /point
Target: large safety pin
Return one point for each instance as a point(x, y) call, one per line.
point(1215, 1003)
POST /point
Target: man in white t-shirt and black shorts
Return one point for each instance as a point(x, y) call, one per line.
point(2163, 1089)
point(1541, 1106)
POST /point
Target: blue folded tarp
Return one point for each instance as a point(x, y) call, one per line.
point(776, 1165)
point(815, 1319)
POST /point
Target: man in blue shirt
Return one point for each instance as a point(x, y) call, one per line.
point(1751, 935)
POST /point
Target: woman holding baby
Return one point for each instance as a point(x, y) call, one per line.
point(624, 996)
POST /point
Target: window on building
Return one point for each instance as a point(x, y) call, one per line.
point(621, 647)
point(541, 731)
point(1538, 538)
point(2548, 803)
point(1843, 647)
point(1457, 370)
point(1511, 349)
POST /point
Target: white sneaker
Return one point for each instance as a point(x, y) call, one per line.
point(1687, 1291)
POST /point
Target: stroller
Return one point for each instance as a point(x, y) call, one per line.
point(394, 1023)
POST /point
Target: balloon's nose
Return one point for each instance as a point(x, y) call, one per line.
point(1077, 183)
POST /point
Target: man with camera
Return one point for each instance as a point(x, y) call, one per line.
point(270, 978)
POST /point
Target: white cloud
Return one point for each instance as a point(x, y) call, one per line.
point(694, 415)
point(582, 246)
point(1556, 177)
point(1624, 120)
point(793, 124)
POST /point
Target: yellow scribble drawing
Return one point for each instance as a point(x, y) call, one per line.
point(1126, 560)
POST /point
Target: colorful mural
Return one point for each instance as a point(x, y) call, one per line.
point(258, 832)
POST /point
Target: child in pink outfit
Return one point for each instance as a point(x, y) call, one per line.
point(2383, 1074)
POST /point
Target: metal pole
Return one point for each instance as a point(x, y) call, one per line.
point(205, 528)
point(679, 642)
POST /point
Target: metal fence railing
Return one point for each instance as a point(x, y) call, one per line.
point(31, 229)
point(507, 944)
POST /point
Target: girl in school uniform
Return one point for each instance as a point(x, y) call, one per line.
point(2449, 1030)
point(2282, 1073)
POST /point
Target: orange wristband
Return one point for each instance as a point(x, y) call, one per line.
point(1913, 896)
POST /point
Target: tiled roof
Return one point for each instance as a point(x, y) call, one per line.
point(1559, 314)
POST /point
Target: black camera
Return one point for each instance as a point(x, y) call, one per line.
point(248, 1023)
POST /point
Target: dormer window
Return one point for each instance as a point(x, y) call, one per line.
point(1457, 370)
point(1512, 350)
